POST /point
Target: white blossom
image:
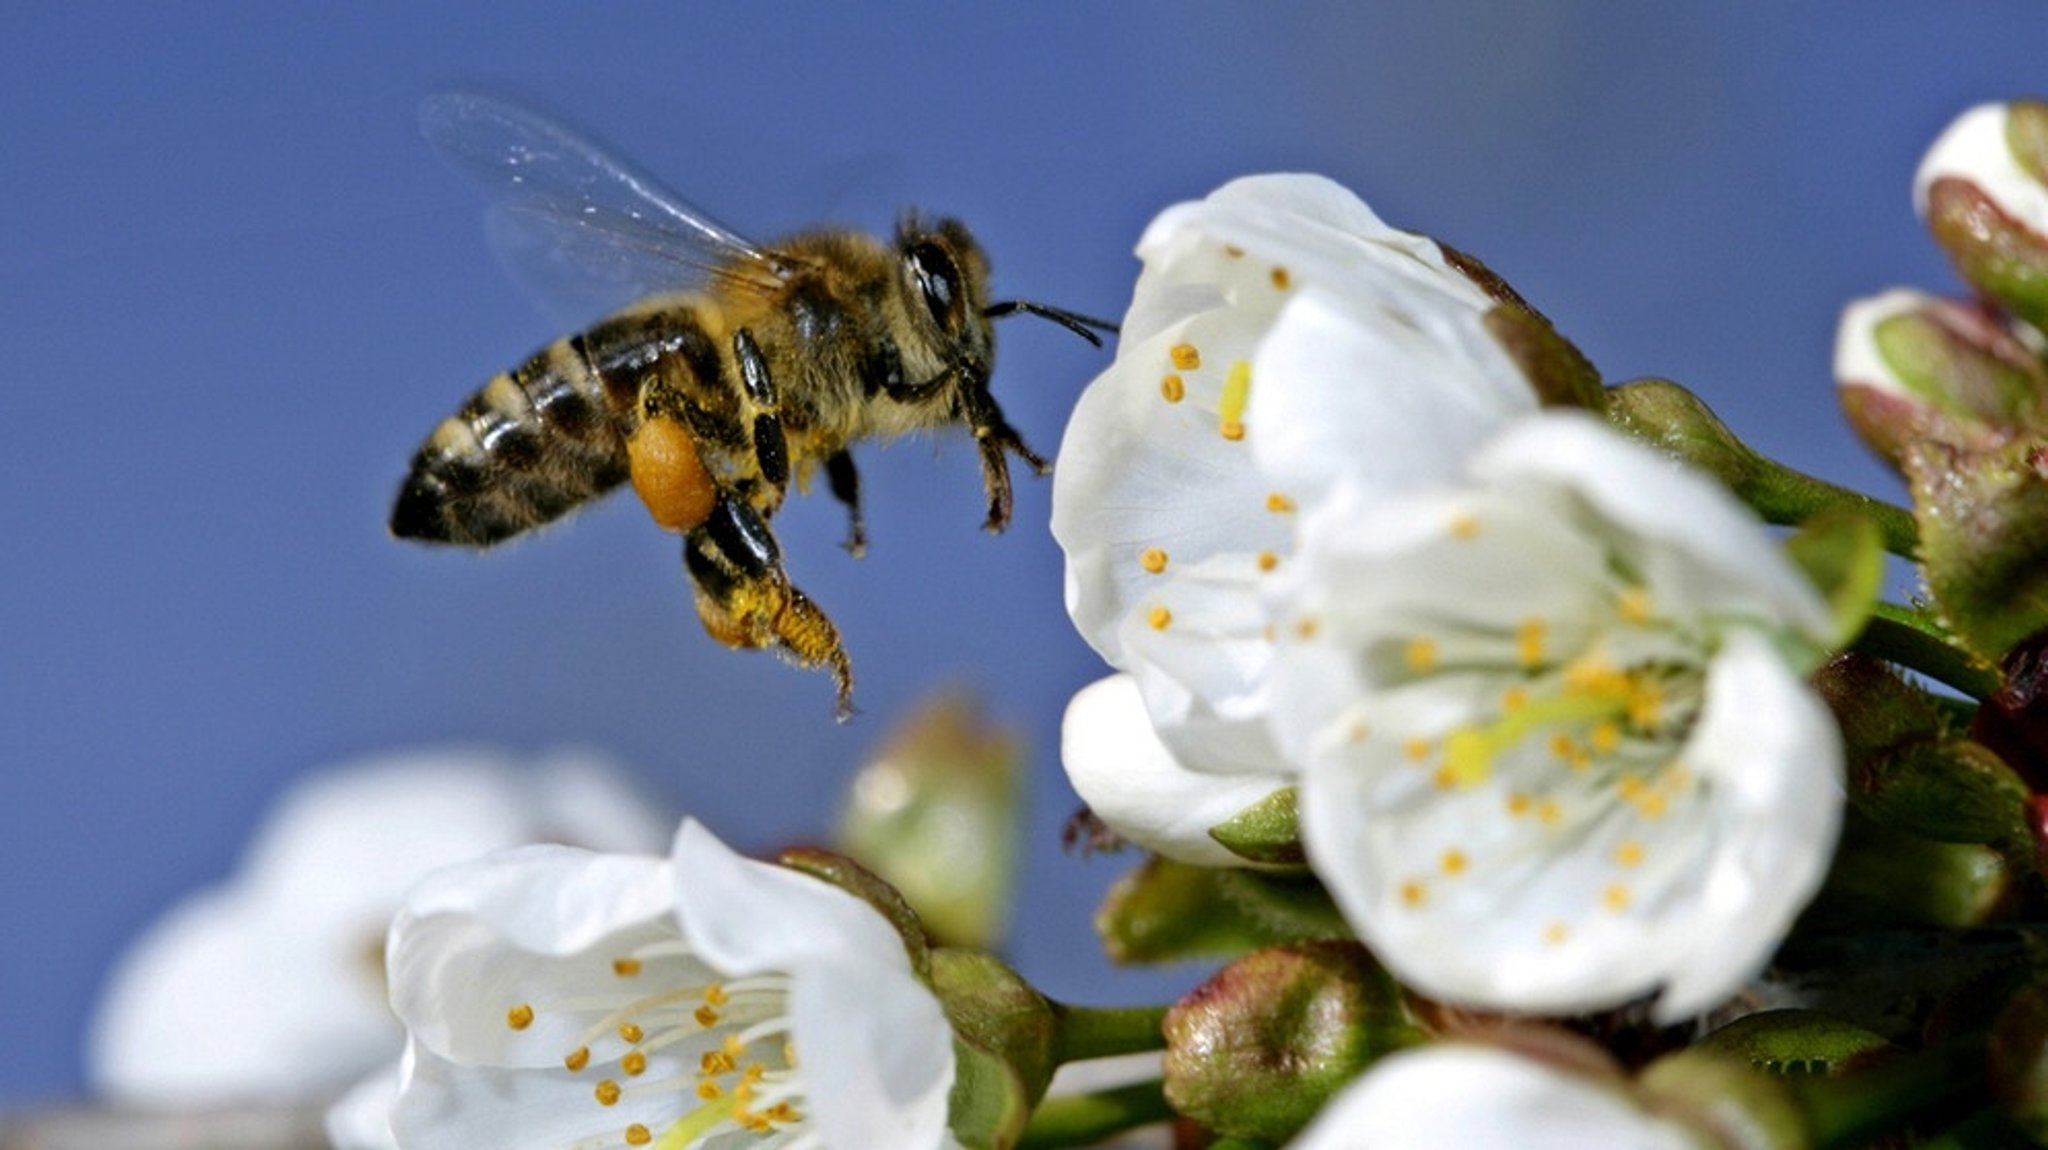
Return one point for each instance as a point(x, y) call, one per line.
point(1560, 753)
point(1975, 148)
point(1280, 335)
point(557, 997)
point(271, 985)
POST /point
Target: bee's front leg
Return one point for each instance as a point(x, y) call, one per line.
point(845, 480)
point(745, 599)
point(996, 440)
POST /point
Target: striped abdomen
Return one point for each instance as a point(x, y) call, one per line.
point(540, 440)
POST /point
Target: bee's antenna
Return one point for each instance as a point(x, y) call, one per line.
point(1075, 322)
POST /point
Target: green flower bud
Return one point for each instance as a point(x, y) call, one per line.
point(1889, 878)
point(1255, 1051)
point(1720, 1095)
point(934, 811)
point(1983, 190)
point(1004, 1033)
point(1912, 368)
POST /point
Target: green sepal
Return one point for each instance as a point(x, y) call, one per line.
point(862, 884)
point(1984, 540)
point(1267, 832)
point(1167, 911)
point(2026, 133)
point(1557, 371)
point(1797, 1043)
point(1995, 253)
point(1003, 1034)
point(1842, 552)
point(1888, 878)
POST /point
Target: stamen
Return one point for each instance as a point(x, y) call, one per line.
point(1280, 278)
point(577, 1059)
point(519, 1017)
point(1419, 654)
point(634, 1063)
point(1268, 561)
point(1233, 251)
point(631, 1033)
point(1454, 862)
point(638, 1135)
point(1629, 854)
point(1556, 933)
point(1237, 386)
point(1465, 527)
point(1158, 618)
point(1615, 897)
point(1185, 356)
point(1279, 504)
point(625, 967)
point(607, 1093)
point(1413, 893)
point(1529, 642)
point(1153, 560)
point(1173, 388)
point(1634, 605)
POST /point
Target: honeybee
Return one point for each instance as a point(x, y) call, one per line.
point(741, 369)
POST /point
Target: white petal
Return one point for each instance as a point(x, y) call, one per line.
point(877, 1056)
point(361, 1120)
point(1387, 384)
point(1711, 557)
point(1467, 1095)
point(1772, 754)
point(444, 1105)
point(748, 917)
point(527, 925)
point(215, 1003)
point(1134, 784)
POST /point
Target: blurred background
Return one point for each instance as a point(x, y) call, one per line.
point(236, 291)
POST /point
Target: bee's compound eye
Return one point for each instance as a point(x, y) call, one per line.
point(935, 275)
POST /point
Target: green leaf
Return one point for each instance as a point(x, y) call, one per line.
point(1268, 831)
point(1168, 911)
point(1842, 552)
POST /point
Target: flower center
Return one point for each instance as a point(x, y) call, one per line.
point(716, 1052)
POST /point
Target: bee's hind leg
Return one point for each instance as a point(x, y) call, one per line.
point(745, 598)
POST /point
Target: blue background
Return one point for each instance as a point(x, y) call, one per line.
point(236, 290)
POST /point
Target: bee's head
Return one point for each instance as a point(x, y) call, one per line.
point(946, 274)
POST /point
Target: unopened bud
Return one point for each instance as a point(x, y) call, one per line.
point(934, 811)
point(1983, 190)
point(1255, 1051)
point(1914, 369)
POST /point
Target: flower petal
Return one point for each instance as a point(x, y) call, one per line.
point(1133, 783)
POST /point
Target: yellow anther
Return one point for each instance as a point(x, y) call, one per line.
point(1529, 642)
point(1645, 704)
point(1413, 893)
point(709, 1090)
point(733, 1048)
point(1233, 251)
point(717, 1062)
point(577, 1059)
point(1556, 933)
point(1605, 736)
point(1420, 654)
point(1173, 388)
point(1465, 527)
point(1358, 733)
point(1185, 357)
point(1153, 560)
point(714, 995)
point(1268, 561)
point(1416, 749)
point(1652, 805)
point(1634, 605)
point(1279, 504)
point(1237, 388)
point(1454, 862)
point(634, 1063)
point(638, 1135)
point(607, 1093)
point(1513, 699)
point(519, 1017)
point(1280, 278)
point(1519, 804)
point(630, 1032)
point(1561, 746)
point(782, 1112)
point(1629, 853)
point(625, 967)
point(1549, 813)
point(1305, 627)
point(705, 1016)
point(1158, 618)
point(1615, 897)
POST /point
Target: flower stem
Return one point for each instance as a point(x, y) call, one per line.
point(1098, 1032)
point(1910, 639)
point(1085, 1119)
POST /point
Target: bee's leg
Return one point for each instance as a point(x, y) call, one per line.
point(845, 480)
point(771, 447)
point(994, 436)
point(745, 598)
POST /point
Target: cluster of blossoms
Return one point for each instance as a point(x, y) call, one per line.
point(1465, 704)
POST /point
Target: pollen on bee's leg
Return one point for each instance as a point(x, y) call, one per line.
point(669, 476)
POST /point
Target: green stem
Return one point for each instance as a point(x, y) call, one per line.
point(1675, 420)
point(1098, 1032)
point(1904, 636)
point(1085, 1119)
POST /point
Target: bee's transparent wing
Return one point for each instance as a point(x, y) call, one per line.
point(584, 232)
